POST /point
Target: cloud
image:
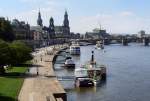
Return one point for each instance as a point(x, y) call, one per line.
point(112, 23)
point(32, 15)
point(33, 1)
point(48, 8)
point(127, 13)
point(46, 3)
point(122, 22)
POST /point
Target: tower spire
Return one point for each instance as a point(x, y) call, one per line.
point(39, 20)
point(66, 28)
point(51, 23)
point(66, 21)
point(51, 28)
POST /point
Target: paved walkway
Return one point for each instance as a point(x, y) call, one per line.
point(41, 83)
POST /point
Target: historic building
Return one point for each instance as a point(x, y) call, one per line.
point(55, 31)
point(21, 30)
point(75, 35)
point(97, 34)
point(39, 20)
point(46, 35)
point(141, 34)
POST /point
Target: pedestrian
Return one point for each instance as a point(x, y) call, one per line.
point(37, 71)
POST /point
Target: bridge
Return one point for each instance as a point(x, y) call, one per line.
point(123, 40)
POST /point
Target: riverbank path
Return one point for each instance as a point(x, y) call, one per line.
point(41, 83)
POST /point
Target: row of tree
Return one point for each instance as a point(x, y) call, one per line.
point(13, 54)
point(6, 31)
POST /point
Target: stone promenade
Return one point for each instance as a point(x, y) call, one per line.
point(41, 83)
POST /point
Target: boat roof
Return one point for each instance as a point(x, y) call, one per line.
point(79, 69)
point(86, 69)
point(69, 57)
point(75, 46)
point(84, 78)
point(93, 66)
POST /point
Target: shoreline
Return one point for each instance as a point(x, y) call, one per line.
point(44, 86)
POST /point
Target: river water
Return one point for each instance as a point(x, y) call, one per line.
point(128, 74)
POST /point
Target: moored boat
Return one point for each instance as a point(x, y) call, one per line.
point(81, 78)
point(84, 82)
point(75, 48)
point(90, 71)
point(69, 63)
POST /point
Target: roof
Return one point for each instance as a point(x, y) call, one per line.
point(36, 28)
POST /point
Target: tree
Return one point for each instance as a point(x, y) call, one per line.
point(20, 52)
point(6, 31)
point(4, 55)
point(13, 54)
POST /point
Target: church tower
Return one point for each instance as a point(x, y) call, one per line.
point(66, 28)
point(51, 28)
point(51, 24)
point(66, 21)
point(39, 20)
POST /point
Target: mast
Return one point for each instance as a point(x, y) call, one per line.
point(92, 59)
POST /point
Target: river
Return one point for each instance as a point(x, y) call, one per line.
point(128, 74)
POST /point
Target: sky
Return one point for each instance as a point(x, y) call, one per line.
point(116, 16)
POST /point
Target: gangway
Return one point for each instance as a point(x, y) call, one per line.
point(66, 78)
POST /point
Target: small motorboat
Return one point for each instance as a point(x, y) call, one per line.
point(69, 63)
point(68, 57)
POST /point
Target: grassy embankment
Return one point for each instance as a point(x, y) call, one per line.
point(11, 83)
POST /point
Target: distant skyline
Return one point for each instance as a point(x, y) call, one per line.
point(116, 16)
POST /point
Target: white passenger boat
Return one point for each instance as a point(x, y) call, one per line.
point(90, 72)
point(75, 48)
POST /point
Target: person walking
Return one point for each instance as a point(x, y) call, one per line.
point(37, 70)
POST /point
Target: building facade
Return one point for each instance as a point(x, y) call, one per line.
point(21, 30)
point(97, 34)
point(47, 35)
point(55, 32)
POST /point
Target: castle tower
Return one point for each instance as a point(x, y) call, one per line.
point(39, 20)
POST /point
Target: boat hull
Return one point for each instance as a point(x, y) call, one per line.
point(84, 83)
point(75, 52)
point(69, 66)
